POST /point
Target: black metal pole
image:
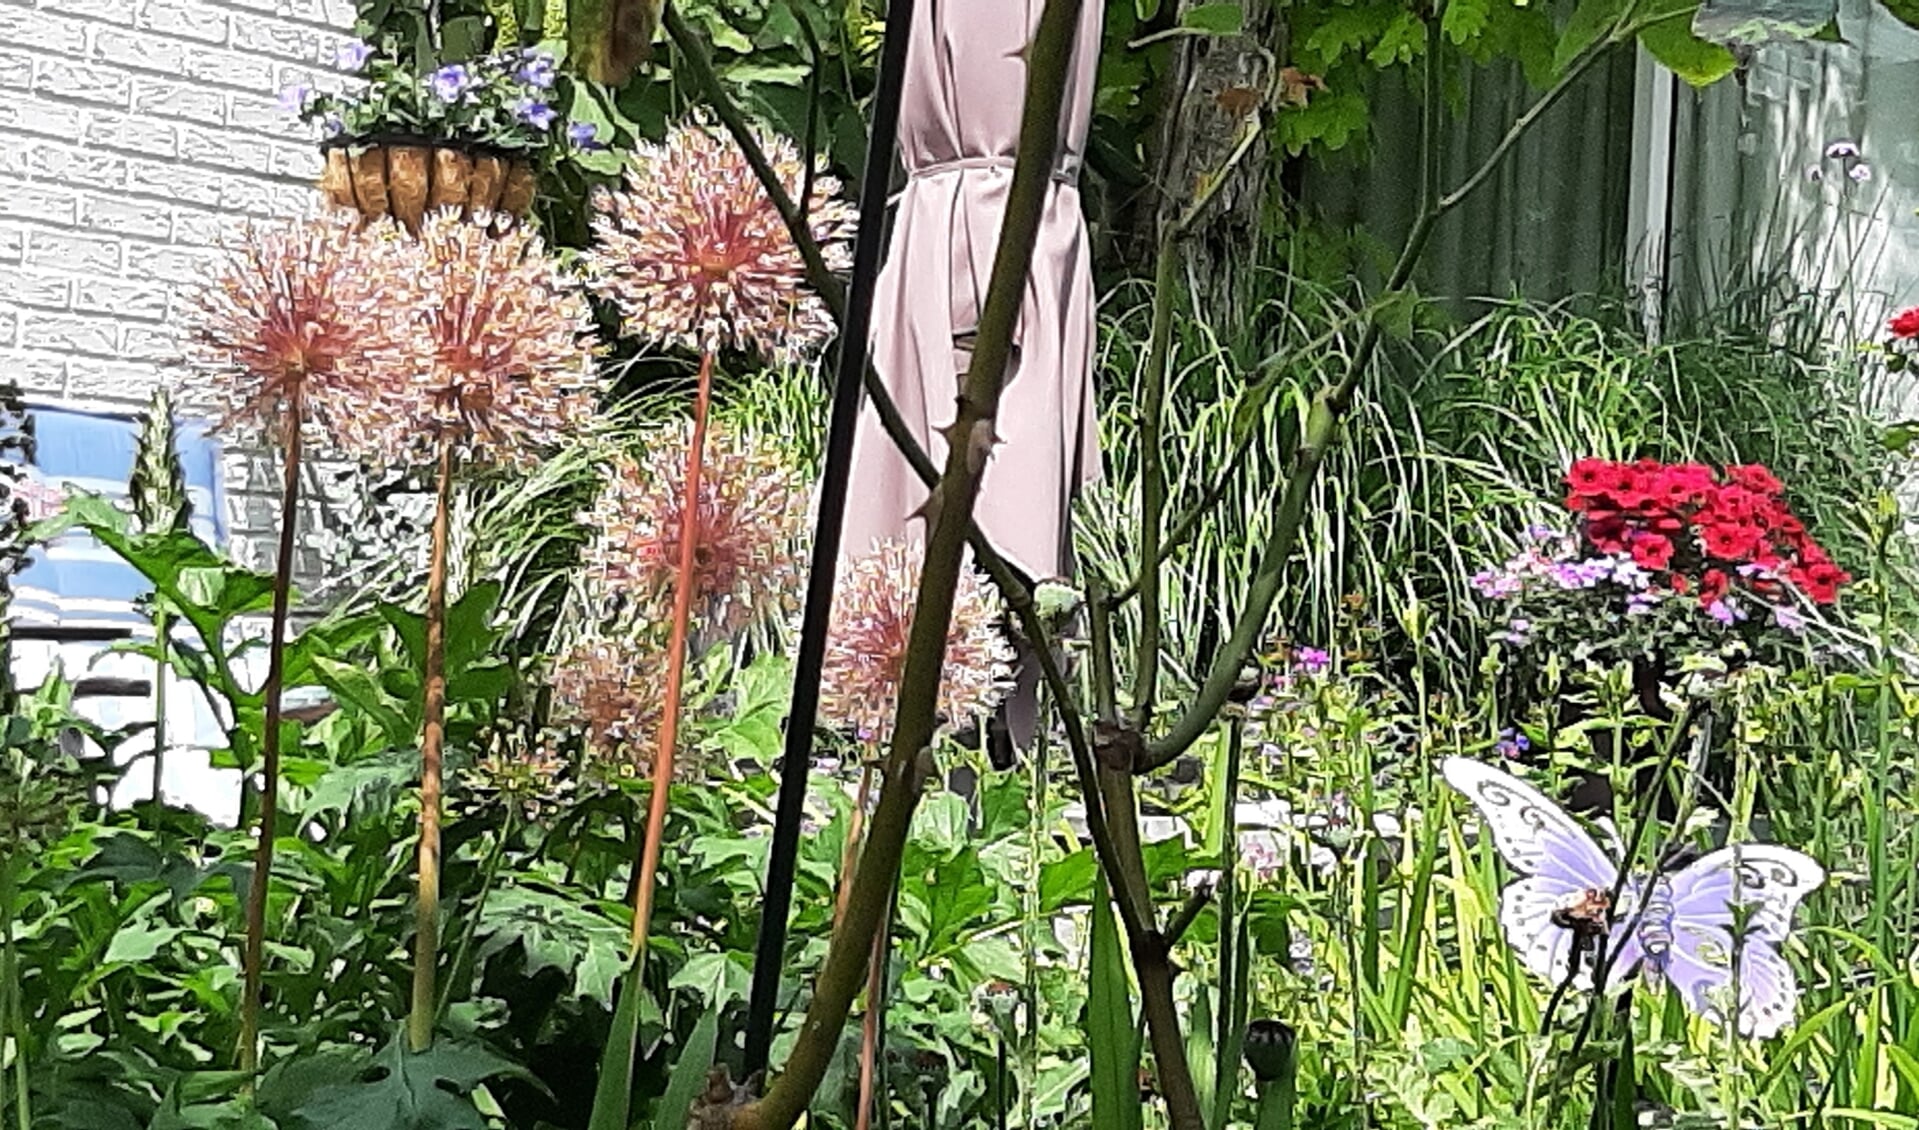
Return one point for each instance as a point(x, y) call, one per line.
point(770, 956)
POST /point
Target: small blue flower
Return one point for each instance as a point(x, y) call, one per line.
point(586, 135)
point(1539, 531)
point(450, 82)
point(537, 70)
point(1511, 743)
point(539, 115)
point(352, 55)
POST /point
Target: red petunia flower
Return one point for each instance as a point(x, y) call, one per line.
point(1730, 541)
point(1651, 551)
point(1821, 581)
point(1713, 586)
point(1754, 477)
point(1589, 477)
point(1905, 324)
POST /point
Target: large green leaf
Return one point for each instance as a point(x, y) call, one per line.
point(401, 1090)
point(555, 932)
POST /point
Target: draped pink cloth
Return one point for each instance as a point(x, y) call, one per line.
point(959, 130)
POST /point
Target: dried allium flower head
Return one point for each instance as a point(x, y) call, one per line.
point(294, 313)
point(872, 624)
point(747, 564)
point(694, 253)
point(496, 357)
point(612, 689)
point(527, 780)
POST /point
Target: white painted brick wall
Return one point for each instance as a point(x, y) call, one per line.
point(134, 135)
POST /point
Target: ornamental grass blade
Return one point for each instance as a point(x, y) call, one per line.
point(689, 1072)
point(613, 1096)
point(1113, 1040)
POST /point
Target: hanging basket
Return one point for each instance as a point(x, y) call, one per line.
point(407, 177)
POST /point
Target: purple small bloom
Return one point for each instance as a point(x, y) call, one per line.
point(1721, 611)
point(1640, 603)
point(586, 135)
point(537, 70)
point(333, 125)
point(352, 55)
point(293, 100)
point(1860, 173)
point(1511, 743)
point(1815, 174)
point(1788, 617)
point(1841, 151)
point(539, 115)
point(450, 82)
point(1539, 531)
point(1311, 660)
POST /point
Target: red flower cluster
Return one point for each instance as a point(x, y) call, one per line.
point(1694, 530)
point(1905, 324)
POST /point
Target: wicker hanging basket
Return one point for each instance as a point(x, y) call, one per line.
point(407, 177)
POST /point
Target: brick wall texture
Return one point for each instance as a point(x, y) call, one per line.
point(134, 134)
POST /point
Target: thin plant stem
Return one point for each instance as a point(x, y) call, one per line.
point(675, 663)
point(872, 1022)
point(256, 912)
point(426, 942)
point(489, 874)
point(850, 852)
point(162, 626)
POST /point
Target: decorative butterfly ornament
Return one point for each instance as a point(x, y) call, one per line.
point(1675, 928)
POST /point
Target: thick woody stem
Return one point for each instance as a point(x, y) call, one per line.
point(970, 440)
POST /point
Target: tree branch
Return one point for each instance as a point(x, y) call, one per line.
point(949, 518)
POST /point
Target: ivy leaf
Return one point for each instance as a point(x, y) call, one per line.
point(1675, 46)
point(1214, 19)
point(1591, 21)
point(400, 1090)
point(1463, 20)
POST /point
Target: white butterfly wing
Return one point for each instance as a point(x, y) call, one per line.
point(1532, 832)
point(1771, 879)
point(1700, 968)
point(1560, 861)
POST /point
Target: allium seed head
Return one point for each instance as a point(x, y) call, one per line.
point(293, 311)
point(695, 255)
point(496, 358)
point(614, 691)
point(751, 526)
point(872, 624)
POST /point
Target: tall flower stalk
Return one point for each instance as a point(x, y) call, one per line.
point(695, 256)
point(158, 490)
point(493, 367)
point(289, 338)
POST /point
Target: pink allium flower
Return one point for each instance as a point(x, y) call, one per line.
point(751, 527)
point(294, 312)
point(614, 692)
point(496, 356)
point(872, 624)
point(695, 255)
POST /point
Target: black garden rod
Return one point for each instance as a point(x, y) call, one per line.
point(876, 179)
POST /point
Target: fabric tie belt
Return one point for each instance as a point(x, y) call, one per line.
point(1066, 172)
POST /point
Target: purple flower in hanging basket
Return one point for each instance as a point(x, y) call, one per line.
point(293, 99)
point(450, 82)
point(352, 55)
point(585, 135)
point(537, 70)
point(539, 115)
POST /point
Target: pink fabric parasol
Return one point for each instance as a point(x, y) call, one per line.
point(959, 130)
